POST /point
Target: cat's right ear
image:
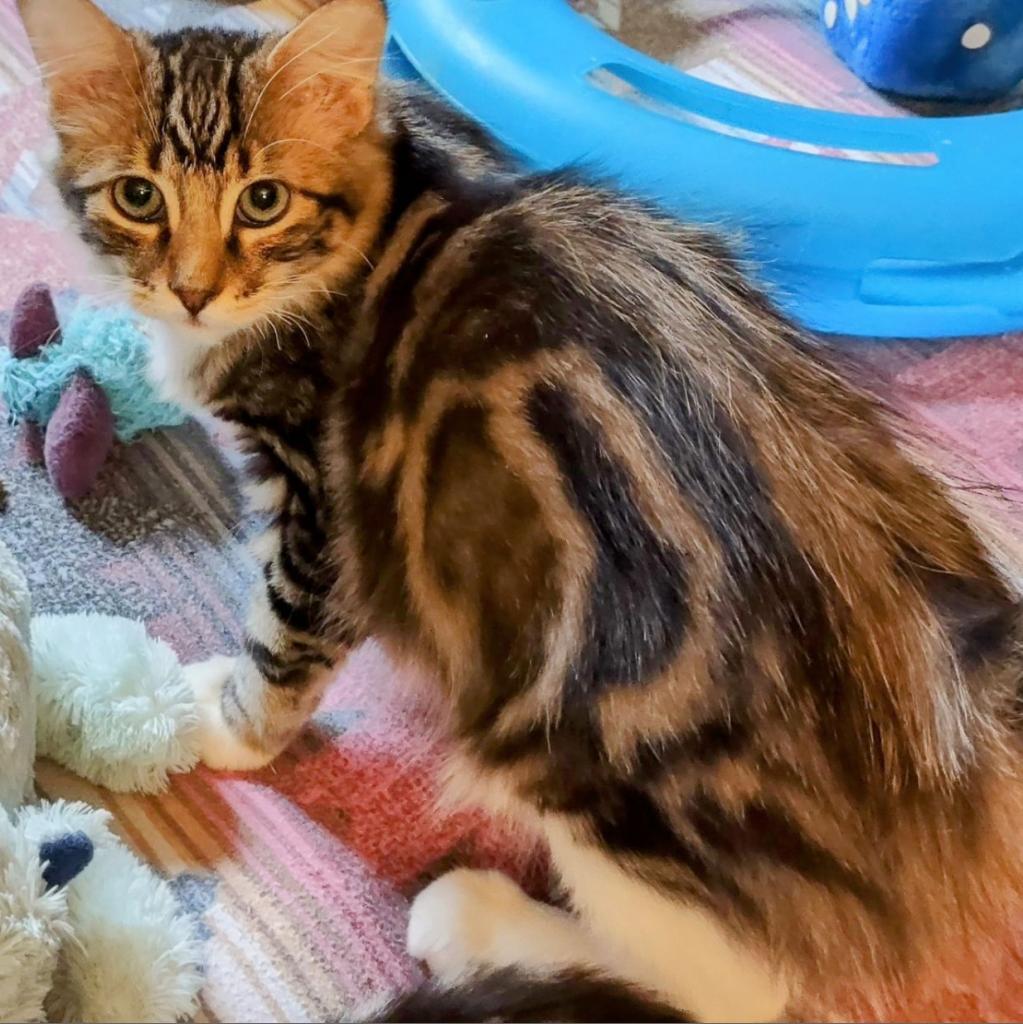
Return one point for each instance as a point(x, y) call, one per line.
point(88, 64)
point(323, 73)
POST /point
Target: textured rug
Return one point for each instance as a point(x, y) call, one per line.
point(300, 875)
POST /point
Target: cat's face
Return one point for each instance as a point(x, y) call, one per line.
point(228, 181)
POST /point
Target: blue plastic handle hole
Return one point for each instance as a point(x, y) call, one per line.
point(659, 97)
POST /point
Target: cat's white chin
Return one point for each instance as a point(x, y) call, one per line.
point(174, 349)
point(206, 335)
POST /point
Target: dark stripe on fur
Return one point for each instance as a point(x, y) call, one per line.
point(504, 274)
point(769, 834)
point(284, 672)
point(230, 703)
point(267, 462)
point(978, 614)
point(292, 615)
point(245, 48)
point(298, 576)
point(74, 197)
point(338, 201)
point(107, 238)
point(298, 241)
point(297, 434)
point(206, 86)
point(397, 302)
point(712, 740)
point(638, 613)
point(620, 808)
point(577, 995)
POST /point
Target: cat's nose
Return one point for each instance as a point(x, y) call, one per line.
point(194, 299)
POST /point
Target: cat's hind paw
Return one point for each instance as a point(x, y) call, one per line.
point(467, 920)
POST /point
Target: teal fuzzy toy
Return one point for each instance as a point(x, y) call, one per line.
point(84, 382)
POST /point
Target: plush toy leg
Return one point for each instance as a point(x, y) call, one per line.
point(34, 322)
point(79, 437)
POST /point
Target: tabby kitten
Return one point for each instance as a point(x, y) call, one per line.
point(694, 611)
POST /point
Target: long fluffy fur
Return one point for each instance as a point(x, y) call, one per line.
point(694, 607)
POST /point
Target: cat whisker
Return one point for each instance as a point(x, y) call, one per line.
point(279, 142)
point(142, 100)
point(297, 322)
point(357, 251)
point(287, 310)
point(44, 65)
point(260, 327)
point(304, 326)
point(328, 72)
point(298, 85)
point(277, 335)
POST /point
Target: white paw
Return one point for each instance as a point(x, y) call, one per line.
point(465, 920)
point(219, 746)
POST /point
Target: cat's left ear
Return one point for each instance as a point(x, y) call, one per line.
point(327, 66)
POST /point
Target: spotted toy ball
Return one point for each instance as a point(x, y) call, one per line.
point(965, 50)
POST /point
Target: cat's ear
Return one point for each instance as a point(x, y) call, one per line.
point(86, 61)
point(324, 70)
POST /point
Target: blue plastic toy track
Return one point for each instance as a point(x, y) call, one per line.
point(852, 246)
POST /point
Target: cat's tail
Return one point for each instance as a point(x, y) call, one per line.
point(512, 994)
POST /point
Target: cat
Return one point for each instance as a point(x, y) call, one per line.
point(696, 609)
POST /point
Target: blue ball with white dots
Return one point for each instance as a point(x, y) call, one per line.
point(962, 50)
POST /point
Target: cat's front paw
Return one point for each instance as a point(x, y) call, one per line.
point(465, 919)
point(220, 746)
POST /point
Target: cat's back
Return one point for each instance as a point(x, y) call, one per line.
point(549, 263)
point(494, 277)
point(679, 576)
point(634, 411)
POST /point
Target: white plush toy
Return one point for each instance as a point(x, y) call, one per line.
point(87, 931)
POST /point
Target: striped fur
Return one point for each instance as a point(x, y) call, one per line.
point(697, 609)
point(505, 995)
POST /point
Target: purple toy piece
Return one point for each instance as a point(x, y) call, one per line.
point(79, 437)
point(34, 322)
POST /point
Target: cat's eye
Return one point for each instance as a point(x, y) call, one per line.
point(138, 198)
point(262, 203)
